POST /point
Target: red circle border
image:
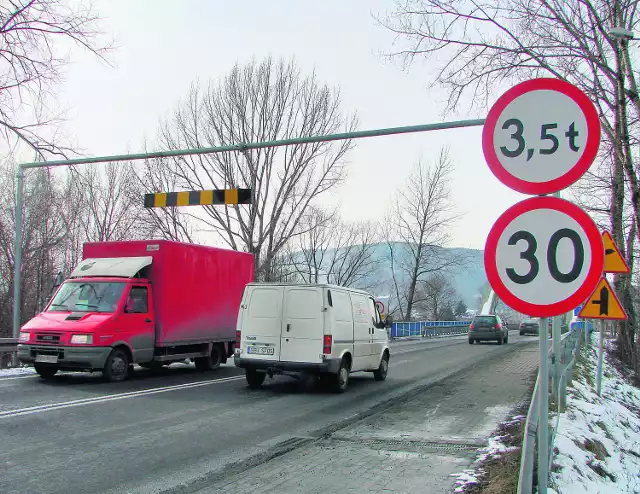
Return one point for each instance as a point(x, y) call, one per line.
point(580, 168)
point(590, 282)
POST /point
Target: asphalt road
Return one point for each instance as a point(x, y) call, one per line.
point(180, 430)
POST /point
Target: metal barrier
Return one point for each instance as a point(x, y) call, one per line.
point(429, 329)
point(569, 350)
point(8, 346)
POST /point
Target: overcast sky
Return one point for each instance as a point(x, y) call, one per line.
point(163, 46)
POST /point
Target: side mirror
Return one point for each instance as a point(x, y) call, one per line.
point(388, 321)
point(128, 308)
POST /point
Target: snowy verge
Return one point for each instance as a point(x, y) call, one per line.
point(597, 445)
point(17, 371)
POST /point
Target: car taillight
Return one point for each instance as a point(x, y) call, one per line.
point(238, 338)
point(471, 327)
point(498, 326)
point(326, 347)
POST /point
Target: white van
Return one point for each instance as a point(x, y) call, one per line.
point(317, 330)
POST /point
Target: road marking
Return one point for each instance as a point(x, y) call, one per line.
point(399, 362)
point(120, 396)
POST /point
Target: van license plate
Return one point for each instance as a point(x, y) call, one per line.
point(260, 350)
point(47, 359)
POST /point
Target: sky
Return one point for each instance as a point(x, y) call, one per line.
point(163, 46)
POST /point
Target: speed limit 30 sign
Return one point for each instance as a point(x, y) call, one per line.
point(544, 256)
point(541, 136)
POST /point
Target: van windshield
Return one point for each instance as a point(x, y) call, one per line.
point(87, 297)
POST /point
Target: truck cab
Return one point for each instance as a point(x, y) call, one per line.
point(103, 306)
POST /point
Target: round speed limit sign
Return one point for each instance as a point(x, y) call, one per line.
point(541, 136)
point(544, 256)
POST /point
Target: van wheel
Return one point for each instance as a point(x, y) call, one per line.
point(470, 341)
point(46, 371)
point(381, 373)
point(254, 378)
point(212, 362)
point(116, 368)
point(341, 379)
point(500, 341)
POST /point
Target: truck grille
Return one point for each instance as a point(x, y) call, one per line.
point(48, 338)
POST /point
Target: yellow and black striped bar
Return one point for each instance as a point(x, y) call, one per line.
point(198, 198)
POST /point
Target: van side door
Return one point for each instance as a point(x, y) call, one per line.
point(342, 322)
point(361, 332)
point(379, 338)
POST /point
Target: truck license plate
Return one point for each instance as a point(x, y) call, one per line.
point(260, 350)
point(47, 359)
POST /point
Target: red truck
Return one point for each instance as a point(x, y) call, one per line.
point(144, 302)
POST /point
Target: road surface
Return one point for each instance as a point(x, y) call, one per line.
point(183, 430)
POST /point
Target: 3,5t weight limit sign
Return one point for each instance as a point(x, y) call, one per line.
point(541, 136)
point(544, 256)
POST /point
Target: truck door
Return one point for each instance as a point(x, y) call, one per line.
point(138, 323)
point(302, 325)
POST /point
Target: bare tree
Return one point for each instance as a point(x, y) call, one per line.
point(110, 208)
point(333, 251)
point(43, 232)
point(418, 229)
point(436, 296)
point(476, 47)
point(31, 63)
point(260, 102)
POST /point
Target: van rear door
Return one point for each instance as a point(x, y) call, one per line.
point(303, 323)
point(261, 322)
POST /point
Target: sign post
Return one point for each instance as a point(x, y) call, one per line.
point(544, 255)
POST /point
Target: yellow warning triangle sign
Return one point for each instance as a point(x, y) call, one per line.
point(603, 304)
point(613, 260)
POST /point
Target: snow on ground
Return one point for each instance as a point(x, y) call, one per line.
point(18, 371)
point(598, 438)
point(495, 448)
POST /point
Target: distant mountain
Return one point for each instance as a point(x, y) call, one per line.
point(468, 278)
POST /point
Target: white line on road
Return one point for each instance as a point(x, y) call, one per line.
point(120, 396)
point(399, 362)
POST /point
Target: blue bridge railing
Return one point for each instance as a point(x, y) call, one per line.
point(428, 329)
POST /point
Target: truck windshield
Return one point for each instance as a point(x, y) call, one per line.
point(87, 297)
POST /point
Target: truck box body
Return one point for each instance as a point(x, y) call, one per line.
point(197, 289)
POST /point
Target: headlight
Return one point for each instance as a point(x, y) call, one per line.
point(81, 339)
point(24, 337)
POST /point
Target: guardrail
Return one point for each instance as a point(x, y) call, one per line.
point(8, 346)
point(428, 329)
point(569, 350)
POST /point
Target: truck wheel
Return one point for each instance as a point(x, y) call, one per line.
point(341, 379)
point(46, 371)
point(254, 378)
point(116, 368)
point(383, 369)
point(211, 362)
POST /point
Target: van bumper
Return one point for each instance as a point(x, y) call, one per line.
point(327, 366)
point(69, 357)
